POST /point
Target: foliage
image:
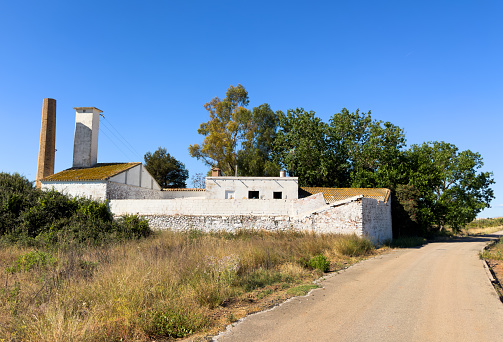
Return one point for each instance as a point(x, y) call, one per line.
point(17, 194)
point(301, 148)
point(486, 222)
point(255, 157)
point(228, 125)
point(166, 169)
point(198, 181)
point(30, 260)
point(452, 190)
point(494, 251)
point(405, 211)
point(319, 262)
point(49, 218)
point(369, 151)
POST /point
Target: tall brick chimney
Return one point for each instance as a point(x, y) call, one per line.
point(47, 146)
point(85, 145)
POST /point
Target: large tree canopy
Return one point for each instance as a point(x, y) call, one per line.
point(369, 151)
point(166, 170)
point(433, 184)
point(255, 157)
point(301, 148)
point(453, 191)
point(229, 123)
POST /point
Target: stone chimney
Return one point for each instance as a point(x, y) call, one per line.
point(47, 146)
point(215, 172)
point(85, 145)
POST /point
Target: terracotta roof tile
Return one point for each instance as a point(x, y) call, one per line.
point(337, 194)
point(101, 171)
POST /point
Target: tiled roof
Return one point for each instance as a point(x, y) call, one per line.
point(337, 194)
point(183, 189)
point(101, 171)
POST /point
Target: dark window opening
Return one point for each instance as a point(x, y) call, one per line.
point(277, 195)
point(253, 194)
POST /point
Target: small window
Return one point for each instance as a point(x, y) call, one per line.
point(229, 194)
point(253, 194)
point(277, 195)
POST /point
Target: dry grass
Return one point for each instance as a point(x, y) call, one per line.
point(167, 286)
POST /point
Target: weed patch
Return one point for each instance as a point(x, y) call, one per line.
point(302, 290)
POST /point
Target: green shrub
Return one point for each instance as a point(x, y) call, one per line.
point(30, 260)
point(319, 262)
point(32, 217)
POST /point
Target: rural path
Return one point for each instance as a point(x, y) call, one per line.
point(439, 292)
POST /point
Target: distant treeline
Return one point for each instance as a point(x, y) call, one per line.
point(486, 222)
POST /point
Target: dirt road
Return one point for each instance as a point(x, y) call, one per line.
point(439, 292)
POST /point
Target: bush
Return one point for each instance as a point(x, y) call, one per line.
point(48, 218)
point(319, 262)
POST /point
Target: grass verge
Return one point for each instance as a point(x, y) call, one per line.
point(167, 286)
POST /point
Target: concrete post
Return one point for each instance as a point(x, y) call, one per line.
point(85, 145)
point(47, 146)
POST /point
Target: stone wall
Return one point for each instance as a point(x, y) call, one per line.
point(118, 191)
point(377, 219)
point(358, 215)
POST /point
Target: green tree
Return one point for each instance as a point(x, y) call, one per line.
point(369, 152)
point(228, 125)
point(166, 169)
point(453, 191)
point(301, 148)
point(255, 157)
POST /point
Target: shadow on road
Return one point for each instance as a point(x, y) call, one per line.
point(473, 238)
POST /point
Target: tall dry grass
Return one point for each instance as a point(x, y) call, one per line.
point(165, 286)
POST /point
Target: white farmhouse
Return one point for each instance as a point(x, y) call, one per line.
point(227, 203)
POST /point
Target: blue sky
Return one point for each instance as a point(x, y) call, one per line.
point(433, 68)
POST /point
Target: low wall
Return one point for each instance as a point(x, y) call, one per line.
point(117, 191)
point(361, 216)
point(210, 207)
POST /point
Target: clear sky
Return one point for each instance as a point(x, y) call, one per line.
point(433, 68)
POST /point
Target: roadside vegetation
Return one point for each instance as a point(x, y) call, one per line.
point(169, 285)
point(70, 272)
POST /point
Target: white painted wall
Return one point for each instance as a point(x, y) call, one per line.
point(136, 176)
point(85, 145)
point(217, 186)
point(93, 190)
point(376, 219)
point(358, 215)
point(183, 194)
point(126, 191)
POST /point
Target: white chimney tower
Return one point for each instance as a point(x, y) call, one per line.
point(85, 145)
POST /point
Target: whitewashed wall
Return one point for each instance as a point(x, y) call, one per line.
point(136, 176)
point(183, 194)
point(376, 219)
point(216, 187)
point(361, 216)
point(93, 190)
point(126, 191)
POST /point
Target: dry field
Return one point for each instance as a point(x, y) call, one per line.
point(168, 286)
